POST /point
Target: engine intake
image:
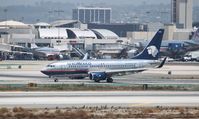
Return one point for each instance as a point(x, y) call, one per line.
point(97, 76)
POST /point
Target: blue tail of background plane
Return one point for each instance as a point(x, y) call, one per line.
point(151, 51)
point(196, 36)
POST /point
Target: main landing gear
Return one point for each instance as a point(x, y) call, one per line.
point(55, 80)
point(97, 80)
point(109, 80)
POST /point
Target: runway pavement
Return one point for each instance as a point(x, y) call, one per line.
point(181, 73)
point(25, 77)
point(122, 98)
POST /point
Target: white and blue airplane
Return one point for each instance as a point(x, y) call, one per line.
point(177, 48)
point(104, 69)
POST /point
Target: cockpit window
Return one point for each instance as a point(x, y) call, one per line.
point(50, 65)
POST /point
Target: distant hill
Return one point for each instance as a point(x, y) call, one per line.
point(32, 11)
point(86, 2)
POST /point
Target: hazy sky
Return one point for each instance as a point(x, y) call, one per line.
point(112, 2)
point(118, 2)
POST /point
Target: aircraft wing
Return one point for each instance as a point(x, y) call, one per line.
point(124, 71)
point(115, 72)
point(112, 72)
point(192, 43)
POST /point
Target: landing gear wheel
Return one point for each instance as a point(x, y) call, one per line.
point(109, 80)
point(97, 80)
point(56, 80)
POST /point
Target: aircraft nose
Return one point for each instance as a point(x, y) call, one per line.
point(44, 71)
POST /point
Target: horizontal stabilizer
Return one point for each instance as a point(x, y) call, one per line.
point(162, 63)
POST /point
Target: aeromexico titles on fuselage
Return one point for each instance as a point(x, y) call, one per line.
point(98, 70)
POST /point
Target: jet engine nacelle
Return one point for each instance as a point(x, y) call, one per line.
point(97, 76)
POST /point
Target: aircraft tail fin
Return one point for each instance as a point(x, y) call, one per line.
point(33, 46)
point(196, 35)
point(151, 51)
point(85, 56)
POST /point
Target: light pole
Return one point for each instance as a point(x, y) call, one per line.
point(37, 20)
point(147, 30)
point(22, 18)
point(147, 22)
point(6, 28)
point(6, 17)
point(5, 11)
point(49, 17)
point(58, 13)
point(161, 15)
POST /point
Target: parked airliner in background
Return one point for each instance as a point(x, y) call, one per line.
point(103, 69)
point(177, 48)
point(45, 52)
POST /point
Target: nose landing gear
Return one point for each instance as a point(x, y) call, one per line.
point(55, 80)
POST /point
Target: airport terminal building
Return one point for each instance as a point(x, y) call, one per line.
point(57, 36)
point(93, 15)
point(65, 35)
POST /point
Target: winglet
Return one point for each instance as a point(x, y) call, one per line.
point(162, 63)
point(151, 51)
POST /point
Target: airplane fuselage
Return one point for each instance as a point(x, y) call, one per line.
point(83, 67)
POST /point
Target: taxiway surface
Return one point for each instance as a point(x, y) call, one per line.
point(88, 98)
point(25, 77)
point(30, 73)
